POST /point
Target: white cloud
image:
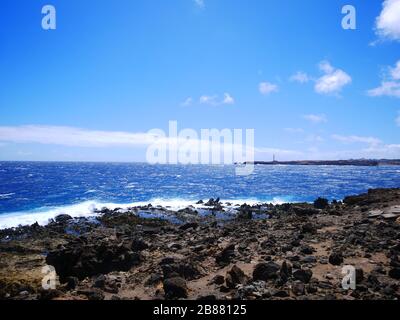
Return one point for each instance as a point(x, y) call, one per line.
point(228, 99)
point(326, 67)
point(388, 23)
point(200, 3)
point(395, 72)
point(187, 102)
point(389, 87)
point(294, 130)
point(74, 137)
point(216, 101)
point(357, 139)
point(313, 138)
point(333, 81)
point(316, 118)
point(266, 88)
point(208, 100)
point(300, 77)
point(388, 151)
point(276, 151)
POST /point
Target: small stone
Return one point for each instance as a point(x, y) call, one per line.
point(298, 288)
point(218, 280)
point(100, 281)
point(336, 258)
point(309, 259)
point(207, 298)
point(312, 288)
point(281, 294)
point(139, 245)
point(286, 270)
point(359, 275)
point(308, 228)
point(72, 283)
point(307, 250)
point(303, 275)
point(226, 255)
point(93, 294)
point(394, 273)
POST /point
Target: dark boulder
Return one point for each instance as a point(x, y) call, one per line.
point(234, 277)
point(305, 211)
point(226, 255)
point(153, 280)
point(191, 225)
point(245, 212)
point(394, 273)
point(359, 275)
point(308, 228)
point(212, 202)
point(62, 218)
point(139, 245)
point(183, 269)
point(265, 271)
point(49, 294)
point(71, 283)
point(175, 288)
point(83, 259)
point(321, 203)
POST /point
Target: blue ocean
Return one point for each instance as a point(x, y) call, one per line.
point(38, 191)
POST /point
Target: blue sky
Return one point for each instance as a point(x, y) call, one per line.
point(112, 70)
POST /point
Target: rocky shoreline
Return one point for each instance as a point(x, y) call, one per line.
point(212, 251)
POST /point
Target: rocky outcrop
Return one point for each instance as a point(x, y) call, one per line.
point(82, 258)
point(288, 251)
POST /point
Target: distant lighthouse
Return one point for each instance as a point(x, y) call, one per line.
point(273, 158)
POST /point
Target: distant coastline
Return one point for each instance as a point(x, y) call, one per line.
point(357, 162)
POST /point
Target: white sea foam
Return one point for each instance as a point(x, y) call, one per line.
point(88, 208)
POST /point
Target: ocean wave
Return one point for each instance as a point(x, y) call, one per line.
point(87, 209)
point(6, 195)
